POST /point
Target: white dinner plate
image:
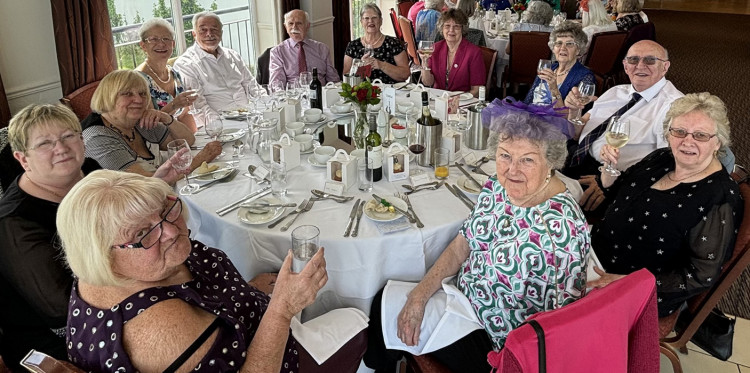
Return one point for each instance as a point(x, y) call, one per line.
point(311, 160)
point(231, 134)
point(248, 217)
point(234, 114)
point(223, 170)
point(336, 112)
point(323, 118)
point(385, 216)
point(468, 187)
point(404, 84)
point(466, 96)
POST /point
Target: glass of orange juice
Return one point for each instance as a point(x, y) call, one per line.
point(441, 159)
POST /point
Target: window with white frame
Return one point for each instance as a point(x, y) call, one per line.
point(126, 17)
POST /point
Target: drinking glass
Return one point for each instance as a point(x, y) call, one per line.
point(442, 161)
point(265, 95)
point(278, 179)
point(426, 47)
point(304, 246)
point(585, 92)
point(365, 174)
point(213, 126)
point(367, 51)
point(182, 162)
point(544, 64)
point(617, 135)
point(305, 78)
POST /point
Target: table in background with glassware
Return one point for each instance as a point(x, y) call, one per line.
point(357, 266)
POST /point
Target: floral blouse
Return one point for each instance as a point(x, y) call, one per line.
point(682, 235)
point(522, 260)
point(160, 97)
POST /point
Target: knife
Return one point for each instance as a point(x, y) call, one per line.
point(468, 175)
point(250, 197)
point(457, 196)
point(352, 215)
point(463, 196)
point(359, 217)
point(402, 212)
point(307, 208)
point(229, 177)
point(299, 209)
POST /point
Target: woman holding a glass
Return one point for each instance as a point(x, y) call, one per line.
point(456, 64)
point(556, 79)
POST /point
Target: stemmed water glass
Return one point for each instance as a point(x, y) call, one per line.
point(264, 94)
point(617, 135)
point(213, 126)
point(305, 78)
point(585, 93)
point(193, 93)
point(182, 162)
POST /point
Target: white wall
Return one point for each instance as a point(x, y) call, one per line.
point(28, 60)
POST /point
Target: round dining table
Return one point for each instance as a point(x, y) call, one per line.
point(358, 267)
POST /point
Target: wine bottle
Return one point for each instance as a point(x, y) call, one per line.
point(426, 119)
point(316, 91)
point(374, 149)
point(428, 135)
point(482, 100)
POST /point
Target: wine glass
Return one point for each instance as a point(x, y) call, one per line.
point(617, 135)
point(213, 126)
point(305, 78)
point(585, 93)
point(368, 51)
point(544, 64)
point(193, 93)
point(426, 47)
point(417, 140)
point(182, 163)
point(264, 94)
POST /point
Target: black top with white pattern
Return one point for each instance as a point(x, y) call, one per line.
point(387, 52)
point(95, 335)
point(683, 235)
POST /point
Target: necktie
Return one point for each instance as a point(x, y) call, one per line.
point(585, 145)
point(301, 60)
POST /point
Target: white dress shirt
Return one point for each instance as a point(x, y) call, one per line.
point(220, 81)
point(646, 119)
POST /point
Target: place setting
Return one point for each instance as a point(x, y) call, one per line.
point(262, 211)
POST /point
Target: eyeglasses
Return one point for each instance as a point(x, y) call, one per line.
point(373, 18)
point(150, 237)
point(68, 139)
point(681, 133)
point(567, 44)
point(154, 40)
point(452, 27)
point(648, 60)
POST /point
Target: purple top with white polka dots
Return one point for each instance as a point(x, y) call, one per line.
point(95, 335)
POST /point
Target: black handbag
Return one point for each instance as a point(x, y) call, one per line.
point(715, 335)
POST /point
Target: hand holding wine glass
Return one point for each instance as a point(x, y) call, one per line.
point(617, 135)
point(181, 161)
point(585, 94)
point(426, 47)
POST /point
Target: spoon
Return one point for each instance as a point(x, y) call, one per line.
point(434, 187)
point(324, 195)
point(251, 173)
point(420, 186)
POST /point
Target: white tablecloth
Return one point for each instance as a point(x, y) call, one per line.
point(357, 267)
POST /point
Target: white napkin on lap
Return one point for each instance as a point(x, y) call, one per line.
point(326, 334)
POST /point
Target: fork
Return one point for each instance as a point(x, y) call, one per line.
point(411, 209)
point(307, 208)
point(438, 185)
point(295, 211)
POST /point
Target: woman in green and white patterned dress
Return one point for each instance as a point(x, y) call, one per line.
point(524, 247)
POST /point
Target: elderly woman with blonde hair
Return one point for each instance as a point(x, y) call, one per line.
point(595, 19)
point(675, 212)
point(164, 302)
point(124, 130)
point(165, 84)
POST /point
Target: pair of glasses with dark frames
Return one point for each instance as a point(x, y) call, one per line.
point(150, 237)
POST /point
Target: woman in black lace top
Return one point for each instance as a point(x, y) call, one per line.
point(677, 211)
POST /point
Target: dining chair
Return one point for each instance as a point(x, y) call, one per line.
point(80, 100)
point(408, 31)
point(404, 6)
point(602, 57)
point(489, 56)
point(396, 25)
point(262, 74)
point(526, 49)
point(701, 305)
point(9, 166)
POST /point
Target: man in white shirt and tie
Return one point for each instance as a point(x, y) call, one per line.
point(217, 73)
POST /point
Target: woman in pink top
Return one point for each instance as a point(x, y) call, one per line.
point(456, 64)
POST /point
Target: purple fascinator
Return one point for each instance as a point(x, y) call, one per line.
point(507, 114)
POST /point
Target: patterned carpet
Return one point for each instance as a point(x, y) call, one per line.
point(711, 52)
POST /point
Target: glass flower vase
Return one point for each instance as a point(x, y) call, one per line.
point(360, 126)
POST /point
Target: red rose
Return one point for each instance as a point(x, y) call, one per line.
point(361, 95)
point(374, 93)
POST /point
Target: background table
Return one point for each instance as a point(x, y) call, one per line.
point(357, 267)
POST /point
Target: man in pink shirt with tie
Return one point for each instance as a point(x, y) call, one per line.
point(298, 53)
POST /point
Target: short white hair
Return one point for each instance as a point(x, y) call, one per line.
point(208, 14)
point(154, 22)
point(289, 14)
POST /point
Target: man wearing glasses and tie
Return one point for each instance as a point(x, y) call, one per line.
point(299, 54)
point(644, 103)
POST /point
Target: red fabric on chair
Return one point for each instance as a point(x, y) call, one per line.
point(613, 329)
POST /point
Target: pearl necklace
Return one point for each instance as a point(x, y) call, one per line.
point(372, 45)
point(169, 76)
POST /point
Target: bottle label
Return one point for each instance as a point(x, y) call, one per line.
point(376, 154)
point(313, 94)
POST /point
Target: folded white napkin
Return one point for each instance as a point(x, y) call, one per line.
point(448, 317)
point(397, 225)
point(327, 333)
